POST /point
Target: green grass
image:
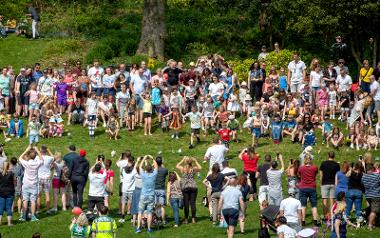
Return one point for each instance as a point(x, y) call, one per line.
point(57, 225)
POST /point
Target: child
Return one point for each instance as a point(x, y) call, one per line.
point(176, 100)
point(234, 126)
point(256, 128)
point(91, 112)
point(175, 121)
point(351, 136)
point(4, 125)
point(33, 100)
point(335, 138)
point(266, 85)
point(265, 124)
point(326, 127)
point(147, 114)
point(156, 95)
point(174, 195)
point(33, 130)
point(190, 93)
point(233, 105)
point(113, 128)
point(283, 80)
point(122, 99)
point(59, 126)
point(195, 124)
point(163, 110)
point(52, 128)
point(332, 101)
point(225, 134)
point(61, 93)
point(58, 183)
point(344, 104)
point(243, 91)
point(247, 104)
point(16, 126)
point(276, 129)
point(289, 126)
point(221, 117)
point(322, 98)
point(131, 114)
point(361, 140)
point(305, 94)
point(208, 114)
point(372, 139)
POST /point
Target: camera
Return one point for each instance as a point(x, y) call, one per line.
point(360, 157)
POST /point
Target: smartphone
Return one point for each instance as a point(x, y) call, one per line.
point(291, 161)
point(360, 157)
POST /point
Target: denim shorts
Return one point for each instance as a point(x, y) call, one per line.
point(127, 196)
point(34, 106)
point(146, 204)
point(308, 193)
point(139, 101)
point(231, 216)
point(160, 197)
point(29, 193)
point(33, 139)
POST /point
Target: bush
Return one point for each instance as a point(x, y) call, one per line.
point(101, 52)
point(241, 67)
point(279, 60)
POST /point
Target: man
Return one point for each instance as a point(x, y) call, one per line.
point(147, 72)
point(122, 70)
point(76, 116)
point(95, 73)
point(30, 181)
point(159, 189)
point(146, 203)
point(125, 160)
point(291, 209)
point(68, 159)
point(215, 153)
point(173, 74)
point(44, 178)
point(327, 172)
point(104, 226)
point(97, 189)
point(274, 182)
point(227, 171)
point(296, 73)
point(341, 66)
point(230, 203)
point(78, 173)
point(139, 85)
point(263, 54)
point(37, 73)
point(32, 12)
point(375, 93)
point(371, 183)
point(343, 81)
point(338, 49)
point(262, 175)
point(22, 86)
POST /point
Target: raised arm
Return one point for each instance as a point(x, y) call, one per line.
point(179, 164)
point(24, 153)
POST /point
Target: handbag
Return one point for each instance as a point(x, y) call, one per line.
point(205, 200)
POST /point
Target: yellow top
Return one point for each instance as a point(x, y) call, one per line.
point(104, 227)
point(11, 24)
point(365, 74)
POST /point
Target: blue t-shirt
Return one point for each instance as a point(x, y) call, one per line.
point(139, 83)
point(283, 83)
point(156, 96)
point(148, 183)
point(276, 130)
point(290, 124)
point(327, 127)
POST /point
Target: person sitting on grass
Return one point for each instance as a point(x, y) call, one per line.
point(79, 227)
point(16, 127)
point(113, 127)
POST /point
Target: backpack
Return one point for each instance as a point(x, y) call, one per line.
point(64, 176)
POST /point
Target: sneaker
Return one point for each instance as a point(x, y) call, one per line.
point(34, 218)
point(173, 136)
point(137, 231)
point(177, 137)
point(164, 223)
point(21, 219)
point(352, 146)
point(121, 220)
point(175, 225)
point(149, 230)
point(191, 146)
point(104, 125)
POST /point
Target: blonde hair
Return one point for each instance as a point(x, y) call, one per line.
point(340, 207)
point(58, 156)
point(307, 158)
point(82, 220)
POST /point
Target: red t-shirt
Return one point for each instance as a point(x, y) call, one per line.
point(308, 176)
point(250, 165)
point(224, 134)
point(110, 173)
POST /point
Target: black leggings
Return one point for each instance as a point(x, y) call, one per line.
point(78, 183)
point(189, 199)
point(256, 89)
point(253, 180)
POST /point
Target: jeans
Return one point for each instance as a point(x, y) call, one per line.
point(78, 184)
point(6, 204)
point(354, 196)
point(174, 203)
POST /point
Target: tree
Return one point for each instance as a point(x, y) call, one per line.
point(152, 41)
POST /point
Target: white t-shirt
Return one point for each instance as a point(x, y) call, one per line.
point(122, 164)
point(44, 171)
point(92, 106)
point(297, 71)
point(122, 98)
point(274, 179)
point(290, 206)
point(195, 119)
point(344, 83)
point(45, 85)
point(31, 171)
point(97, 186)
point(216, 89)
point(139, 83)
point(129, 181)
point(315, 78)
point(229, 172)
point(215, 154)
point(375, 87)
point(3, 158)
point(287, 231)
point(96, 74)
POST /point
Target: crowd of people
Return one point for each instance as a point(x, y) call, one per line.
point(293, 102)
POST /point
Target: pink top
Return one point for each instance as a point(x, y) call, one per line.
point(33, 96)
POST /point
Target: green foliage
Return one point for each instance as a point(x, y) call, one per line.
point(280, 59)
point(100, 51)
point(241, 67)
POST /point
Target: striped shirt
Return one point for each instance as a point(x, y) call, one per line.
point(371, 182)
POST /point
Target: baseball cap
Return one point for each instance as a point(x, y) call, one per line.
point(82, 152)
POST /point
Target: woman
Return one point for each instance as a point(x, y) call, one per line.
point(108, 82)
point(341, 180)
point(83, 86)
point(110, 174)
point(293, 178)
point(189, 166)
point(354, 193)
point(365, 72)
point(315, 81)
point(255, 81)
point(245, 189)
point(329, 74)
point(174, 195)
point(250, 160)
point(119, 81)
point(215, 183)
point(231, 79)
point(7, 192)
point(307, 186)
point(79, 227)
point(5, 87)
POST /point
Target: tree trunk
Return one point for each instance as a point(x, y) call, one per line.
point(153, 31)
point(374, 56)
